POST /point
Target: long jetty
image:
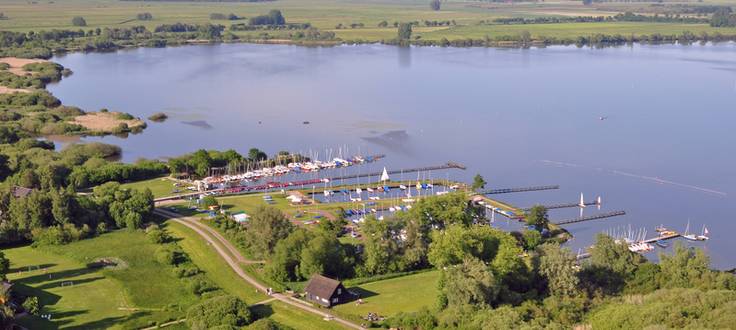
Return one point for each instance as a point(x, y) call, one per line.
point(590, 217)
point(448, 165)
point(514, 190)
point(560, 206)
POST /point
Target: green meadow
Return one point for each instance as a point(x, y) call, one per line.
point(328, 14)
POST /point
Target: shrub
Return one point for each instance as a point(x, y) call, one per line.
point(79, 21)
point(165, 257)
point(158, 117)
point(32, 305)
point(157, 236)
point(4, 66)
point(124, 116)
point(219, 311)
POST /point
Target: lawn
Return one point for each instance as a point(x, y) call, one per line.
point(146, 282)
point(294, 317)
point(388, 297)
point(90, 304)
point(160, 186)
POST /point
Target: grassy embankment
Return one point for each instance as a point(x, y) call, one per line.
point(327, 14)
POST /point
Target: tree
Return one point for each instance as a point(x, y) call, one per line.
point(526, 36)
point(587, 2)
point(532, 238)
point(4, 265)
point(254, 154)
point(684, 266)
point(79, 21)
point(383, 24)
point(267, 225)
point(471, 282)
point(435, 5)
point(478, 182)
point(557, 265)
point(208, 201)
point(404, 31)
point(276, 17)
point(219, 311)
point(32, 305)
point(202, 160)
point(284, 263)
point(98, 31)
point(538, 217)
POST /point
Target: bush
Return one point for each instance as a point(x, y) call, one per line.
point(165, 257)
point(219, 311)
point(158, 117)
point(31, 304)
point(79, 21)
point(125, 116)
point(4, 66)
point(157, 236)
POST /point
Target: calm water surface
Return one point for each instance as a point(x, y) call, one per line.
point(518, 117)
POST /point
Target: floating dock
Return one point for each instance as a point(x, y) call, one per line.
point(590, 217)
point(447, 165)
point(560, 206)
point(514, 190)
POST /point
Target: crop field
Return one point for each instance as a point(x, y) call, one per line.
point(388, 297)
point(328, 14)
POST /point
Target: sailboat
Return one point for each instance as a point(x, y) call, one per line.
point(582, 203)
point(687, 235)
point(702, 236)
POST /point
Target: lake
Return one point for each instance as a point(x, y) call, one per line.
point(664, 151)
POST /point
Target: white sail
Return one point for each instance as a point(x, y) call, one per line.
point(384, 176)
point(582, 203)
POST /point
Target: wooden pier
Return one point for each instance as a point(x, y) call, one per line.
point(448, 165)
point(587, 254)
point(590, 217)
point(560, 206)
point(514, 190)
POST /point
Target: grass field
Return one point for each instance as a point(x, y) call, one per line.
point(294, 317)
point(91, 304)
point(146, 282)
point(327, 14)
point(388, 297)
point(212, 264)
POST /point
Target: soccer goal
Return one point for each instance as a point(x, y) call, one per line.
point(67, 285)
point(30, 268)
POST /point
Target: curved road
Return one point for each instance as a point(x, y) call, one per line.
point(203, 230)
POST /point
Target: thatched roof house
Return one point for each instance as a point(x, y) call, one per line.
point(326, 291)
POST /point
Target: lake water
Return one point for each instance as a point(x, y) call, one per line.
point(520, 117)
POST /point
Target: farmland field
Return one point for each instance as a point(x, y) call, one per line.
point(328, 14)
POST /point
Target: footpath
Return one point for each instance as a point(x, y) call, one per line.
point(223, 247)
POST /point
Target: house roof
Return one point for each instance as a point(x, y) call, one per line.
point(7, 286)
point(21, 191)
point(321, 286)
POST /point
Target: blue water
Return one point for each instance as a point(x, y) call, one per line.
point(519, 117)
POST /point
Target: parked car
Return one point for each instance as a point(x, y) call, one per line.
point(173, 209)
